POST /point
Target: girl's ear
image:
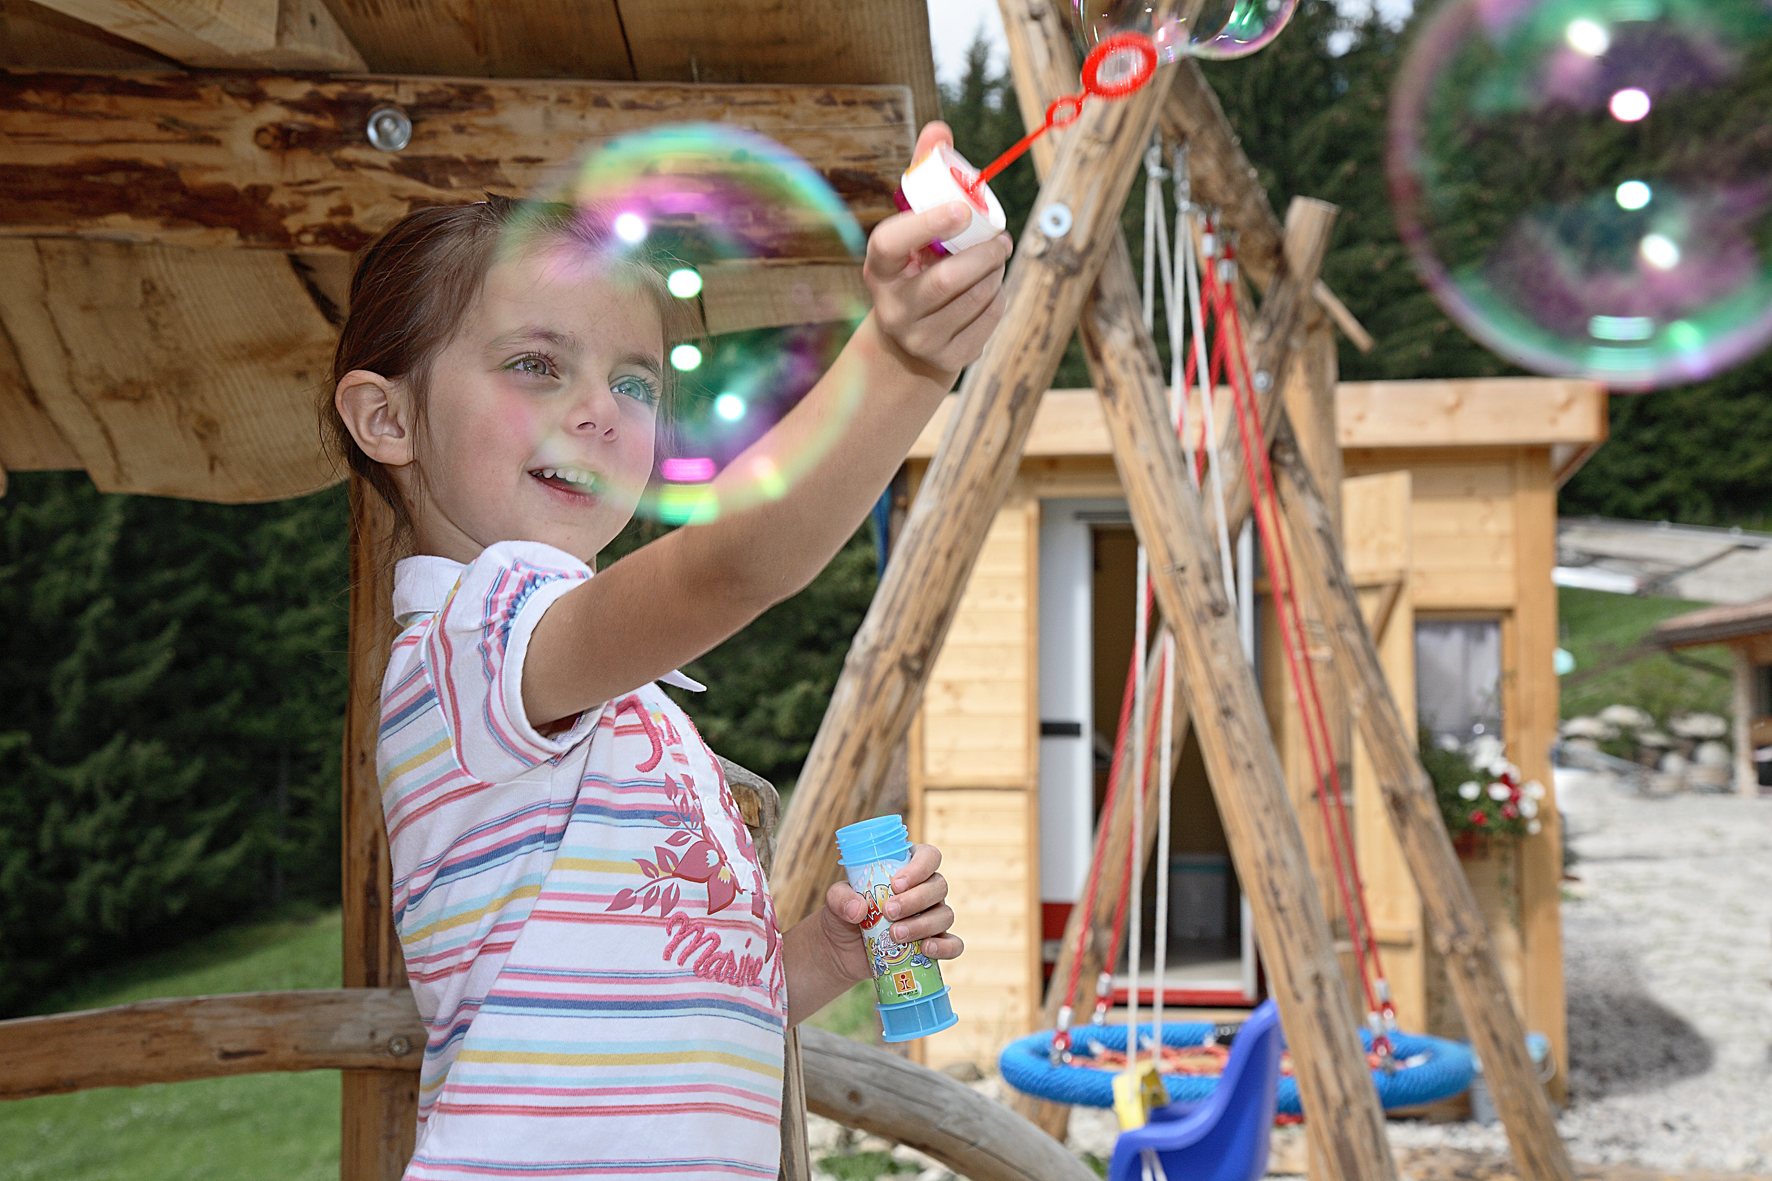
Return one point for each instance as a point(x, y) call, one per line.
point(379, 415)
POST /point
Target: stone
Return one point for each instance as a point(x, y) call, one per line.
point(1712, 753)
point(1585, 727)
point(1699, 725)
point(1672, 763)
point(1627, 717)
point(1655, 740)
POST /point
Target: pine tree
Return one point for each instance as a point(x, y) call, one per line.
point(173, 673)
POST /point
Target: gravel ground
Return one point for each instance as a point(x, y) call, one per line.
point(1668, 951)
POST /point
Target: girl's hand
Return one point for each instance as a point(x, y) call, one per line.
point(935, 311)
point(916, 911)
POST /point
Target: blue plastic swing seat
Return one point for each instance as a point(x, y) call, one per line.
point(1223, 1137)
point(1424, 1069)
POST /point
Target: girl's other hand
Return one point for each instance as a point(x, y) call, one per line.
point(916, 910)
point(936, 311)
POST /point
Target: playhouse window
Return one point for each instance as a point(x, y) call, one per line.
point(1458, 678)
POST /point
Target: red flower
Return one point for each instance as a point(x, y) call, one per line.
point(1509, 811)
point(1479, 818)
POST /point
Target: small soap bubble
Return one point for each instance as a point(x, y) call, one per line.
point(1223, 29)
point(1586, 185)
point(757, 254)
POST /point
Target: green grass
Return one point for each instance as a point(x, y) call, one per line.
point(247, 1128)
point(851, 1015)
point(1598, 626)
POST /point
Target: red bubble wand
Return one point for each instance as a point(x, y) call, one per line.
point(1128, 59)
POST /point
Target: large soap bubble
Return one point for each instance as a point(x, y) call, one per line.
point(760, 256)
point(1223, 29)
point(1587, 184)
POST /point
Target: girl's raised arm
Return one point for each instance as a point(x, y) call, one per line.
point(669, 602)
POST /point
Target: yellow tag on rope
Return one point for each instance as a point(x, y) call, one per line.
point(1138, 1091)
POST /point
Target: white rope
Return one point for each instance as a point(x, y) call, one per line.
point(1135, 911)
point(1208, 420)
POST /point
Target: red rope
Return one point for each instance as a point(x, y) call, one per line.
point(1295, 641)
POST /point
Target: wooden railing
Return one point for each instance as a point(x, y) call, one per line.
point(182, 1038)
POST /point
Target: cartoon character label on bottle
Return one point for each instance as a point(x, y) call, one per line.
point(901, 971)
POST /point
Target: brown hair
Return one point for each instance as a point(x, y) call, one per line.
point(414, 283)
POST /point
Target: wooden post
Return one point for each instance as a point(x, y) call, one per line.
point(1459, 932)
point(889, 663)
point(1340, 1103)
point(1747, 779)
point(1113, 834)
point(378, 1109)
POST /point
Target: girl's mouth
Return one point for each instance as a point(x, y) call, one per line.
point(568, 480)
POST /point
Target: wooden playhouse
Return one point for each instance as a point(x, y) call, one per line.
point(1449, 520)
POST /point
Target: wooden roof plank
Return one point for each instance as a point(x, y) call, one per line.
point(282, 162)
point(489, 38)
point(37, 38)
point(270, 34)
point(196, 372)
point(830, 41)
point(29, 440)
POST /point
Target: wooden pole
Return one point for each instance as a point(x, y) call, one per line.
point(890, 660)
point(1459, 932)
point(1114, 834)
point(869, 1088)
point(1335, 1087)
point(378, 1108)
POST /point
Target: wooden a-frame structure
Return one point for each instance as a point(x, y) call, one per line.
point(182, 185)
point(1083, 279)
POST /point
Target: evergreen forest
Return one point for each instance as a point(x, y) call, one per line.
point(172, 672)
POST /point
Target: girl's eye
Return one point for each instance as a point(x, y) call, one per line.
point(637, 388)
point(534, 363)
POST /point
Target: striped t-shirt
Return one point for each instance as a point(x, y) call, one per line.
point(585, 923)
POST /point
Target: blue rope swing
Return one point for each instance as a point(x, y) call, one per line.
point(1428, 1068)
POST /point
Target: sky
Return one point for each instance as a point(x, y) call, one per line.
point(953, 22)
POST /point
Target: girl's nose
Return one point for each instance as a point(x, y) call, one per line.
point(596, 416)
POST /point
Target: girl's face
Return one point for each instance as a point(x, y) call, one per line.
point(542, 412)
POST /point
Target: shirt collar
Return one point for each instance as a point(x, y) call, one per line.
point(422, 585)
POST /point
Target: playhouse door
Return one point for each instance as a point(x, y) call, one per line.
point(1086, 610)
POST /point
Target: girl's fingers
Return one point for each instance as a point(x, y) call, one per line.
point(937, 288)
point(899, 239)
point(943, 947)
point(934, 134)
point(925, 860)
point(845, 903)
point(919, 897)
point(930, 923)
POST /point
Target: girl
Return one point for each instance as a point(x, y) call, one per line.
point(583, 917)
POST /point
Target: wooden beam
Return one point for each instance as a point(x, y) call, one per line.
point(878, 1092)
point(885, 42)
point(889, 663)
point(490, 38)
point(378, 1111)
point(1456, 923)
point(196, 372)
point(1344, 319)
point(1471, 412)
point(33, 37)
point(29, 440)
point(1341, 1107)
point(283, 162)
point(177, 1039)
point(224, 34)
